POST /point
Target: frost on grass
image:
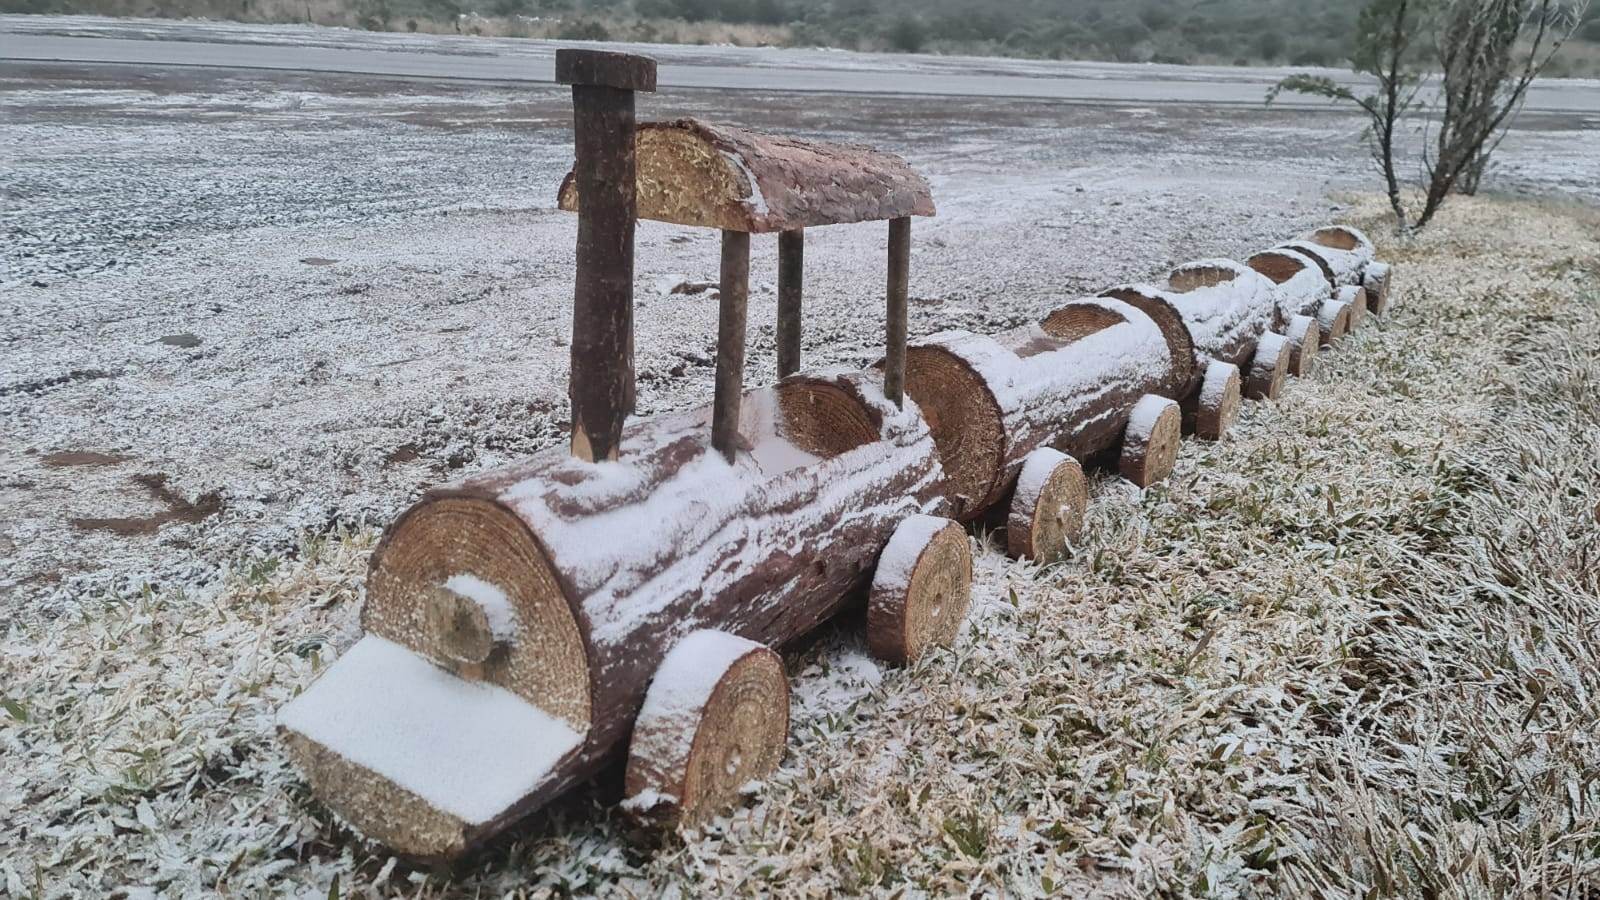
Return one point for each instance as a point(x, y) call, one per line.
point(1351, 649)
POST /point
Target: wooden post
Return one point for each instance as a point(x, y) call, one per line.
point(791, 286)
point(730, 341)
point(894, 357)
point(602, 386)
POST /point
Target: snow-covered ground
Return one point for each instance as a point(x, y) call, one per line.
point(246, 305)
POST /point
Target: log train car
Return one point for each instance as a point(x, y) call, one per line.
point(625, 596)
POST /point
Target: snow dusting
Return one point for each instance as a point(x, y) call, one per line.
point(468, 748)
point(497, 608)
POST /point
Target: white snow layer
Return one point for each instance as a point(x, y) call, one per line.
point(1037, 469)
point(900, 557)
point(690, 672)
point(496, 606)
point(1146, 413)
point(1215, 386)
point(468, 749)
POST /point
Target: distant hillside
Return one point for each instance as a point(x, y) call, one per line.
point(1290, 32)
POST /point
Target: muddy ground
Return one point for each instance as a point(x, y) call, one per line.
point(241, 306)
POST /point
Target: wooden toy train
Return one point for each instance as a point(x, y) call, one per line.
point(528, 625)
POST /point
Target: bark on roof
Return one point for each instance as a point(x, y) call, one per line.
point(722, 176)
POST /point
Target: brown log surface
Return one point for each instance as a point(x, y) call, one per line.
point(723, 176)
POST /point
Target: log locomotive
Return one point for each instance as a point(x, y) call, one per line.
point(626, 596)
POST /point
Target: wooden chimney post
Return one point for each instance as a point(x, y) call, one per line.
point(602, 386)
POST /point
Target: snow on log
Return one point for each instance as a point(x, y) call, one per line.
point(1224, 308)
point(720, 176)
point(1333, 321)
point(605, 567)
point(1305, 339)
point(1215, 407)
point(1150, 446)
point(1376, 281)
point(921, 589)
point(1069, 384)
point(1268, 368)
point(715, 722)
point(1301, 285)
point(1342, 252)
point(1047, 508)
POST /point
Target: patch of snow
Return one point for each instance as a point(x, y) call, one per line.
point(496, 606)
point(1215, 386)
point(467, 748)
point(899, 558)
point(1146, 414)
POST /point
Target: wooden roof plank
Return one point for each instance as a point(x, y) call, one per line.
point(723, 176)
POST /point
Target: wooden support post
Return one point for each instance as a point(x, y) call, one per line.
point(602, 386)
point(730, 342)
point(894, 357)
point(791, 287)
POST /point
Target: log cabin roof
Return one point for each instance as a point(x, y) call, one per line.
point(722, 176)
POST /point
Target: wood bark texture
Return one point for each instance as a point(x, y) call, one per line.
point(791, 291)
point(602, 383)
point(722, 176)
point(609, 566)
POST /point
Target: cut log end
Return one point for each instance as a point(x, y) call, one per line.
point(967, 424)
point(1150, 445)
point(1357, 299)
point(715, 722)
point(1047, 509)
point(1333, 321)
point(1304, 339)
point(1269, 368)
point(385, 812)
point(455, 569)
point(921, 590)
point(1219, 401)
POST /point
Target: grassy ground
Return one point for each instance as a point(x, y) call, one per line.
point(1350, 650)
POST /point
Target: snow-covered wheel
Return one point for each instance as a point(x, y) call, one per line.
point(921, 590)
point(714, 722)
point(1333, 320)
point(1217, 406)
point(1150, 444)
point(1376, 281)
point(1357, 298)
point(1304, 340)
point(1269, 368)
point(1047, 508)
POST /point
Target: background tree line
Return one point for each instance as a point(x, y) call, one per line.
point(1285, 32)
